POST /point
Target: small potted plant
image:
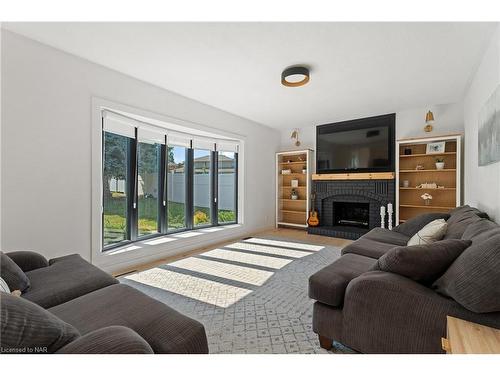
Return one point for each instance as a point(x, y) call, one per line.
point(427, 198)
point(439, 163)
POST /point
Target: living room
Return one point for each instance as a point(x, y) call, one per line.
point(250, 187)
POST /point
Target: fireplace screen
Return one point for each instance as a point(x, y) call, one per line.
point(351, 214)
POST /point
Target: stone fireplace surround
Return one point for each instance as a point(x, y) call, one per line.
point(374, 192)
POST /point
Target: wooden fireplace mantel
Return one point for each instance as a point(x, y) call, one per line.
point(354, 176)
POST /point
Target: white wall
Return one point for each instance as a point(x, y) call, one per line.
point(409, 123)
point(482, 184)
point(46, 146)
point(1, 103)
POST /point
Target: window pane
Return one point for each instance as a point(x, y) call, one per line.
point(148, 171)
point(202, 187)
point(176, 188)
point(226, 196)
point(115, 188)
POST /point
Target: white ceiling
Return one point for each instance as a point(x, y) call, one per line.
point(356, 68)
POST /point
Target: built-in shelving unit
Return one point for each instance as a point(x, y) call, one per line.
point(416, 166)
point(293, 212)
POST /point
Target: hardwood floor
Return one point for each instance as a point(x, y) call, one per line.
point(293, 234)
point(302, 235)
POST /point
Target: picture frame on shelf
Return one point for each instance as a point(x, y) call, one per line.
point(435, 147)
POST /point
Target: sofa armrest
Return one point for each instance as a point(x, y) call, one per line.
point(108, 340)
point(28, 260)
point(388, 313)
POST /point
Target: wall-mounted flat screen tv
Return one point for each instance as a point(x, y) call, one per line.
point(363, 145)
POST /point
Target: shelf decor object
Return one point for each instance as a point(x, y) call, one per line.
point(420, 173)
point(294, 188)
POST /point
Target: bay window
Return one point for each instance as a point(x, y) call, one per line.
point(156, 181)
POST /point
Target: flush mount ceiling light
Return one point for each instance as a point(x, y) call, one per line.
point(295, 76)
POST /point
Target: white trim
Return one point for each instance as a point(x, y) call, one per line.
point(130, 120)
point(119, 256)
point(291, 225)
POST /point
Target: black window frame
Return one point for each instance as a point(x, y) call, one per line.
point(132, 193)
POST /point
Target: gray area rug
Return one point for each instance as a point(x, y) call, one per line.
point(250, 295)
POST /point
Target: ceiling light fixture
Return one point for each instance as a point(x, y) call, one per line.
point(295, 76)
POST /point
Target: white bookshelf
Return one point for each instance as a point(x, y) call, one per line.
point(290, 212)
point(408, 199)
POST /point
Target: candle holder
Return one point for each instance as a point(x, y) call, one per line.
point(389, 211)
point(382, 217)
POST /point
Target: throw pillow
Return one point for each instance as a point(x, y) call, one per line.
point(421, 263)
point(473, 279)
point(3, 286)
point(27, 327)
point(432, 232)
point(12, 274)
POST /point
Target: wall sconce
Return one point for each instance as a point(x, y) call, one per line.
point(295, 136)
point(429, 121)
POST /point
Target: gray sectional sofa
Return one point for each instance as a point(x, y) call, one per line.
point(68, 305)
point(375, 311)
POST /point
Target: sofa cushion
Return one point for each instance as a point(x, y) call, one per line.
point(413, 225)
point(108, 340)
point(14, 276)
point(457, 224)
point(328, 284)
point(387, 236)
point(28, 260)
point(473, 279)
point(368, 248)
point(66, 278)
point(481, 230)
point(421, 263)
point(432, 232)
point(165, 329)
point(27, 327)
point(467, 209)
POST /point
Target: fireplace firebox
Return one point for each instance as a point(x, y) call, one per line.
point(351, 214)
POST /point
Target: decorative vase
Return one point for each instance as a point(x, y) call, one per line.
point(427, 202)
point(406, 183)
point(440, 165)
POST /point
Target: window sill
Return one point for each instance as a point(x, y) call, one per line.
point(164, 245)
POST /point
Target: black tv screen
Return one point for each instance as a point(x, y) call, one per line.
point(364, 145)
